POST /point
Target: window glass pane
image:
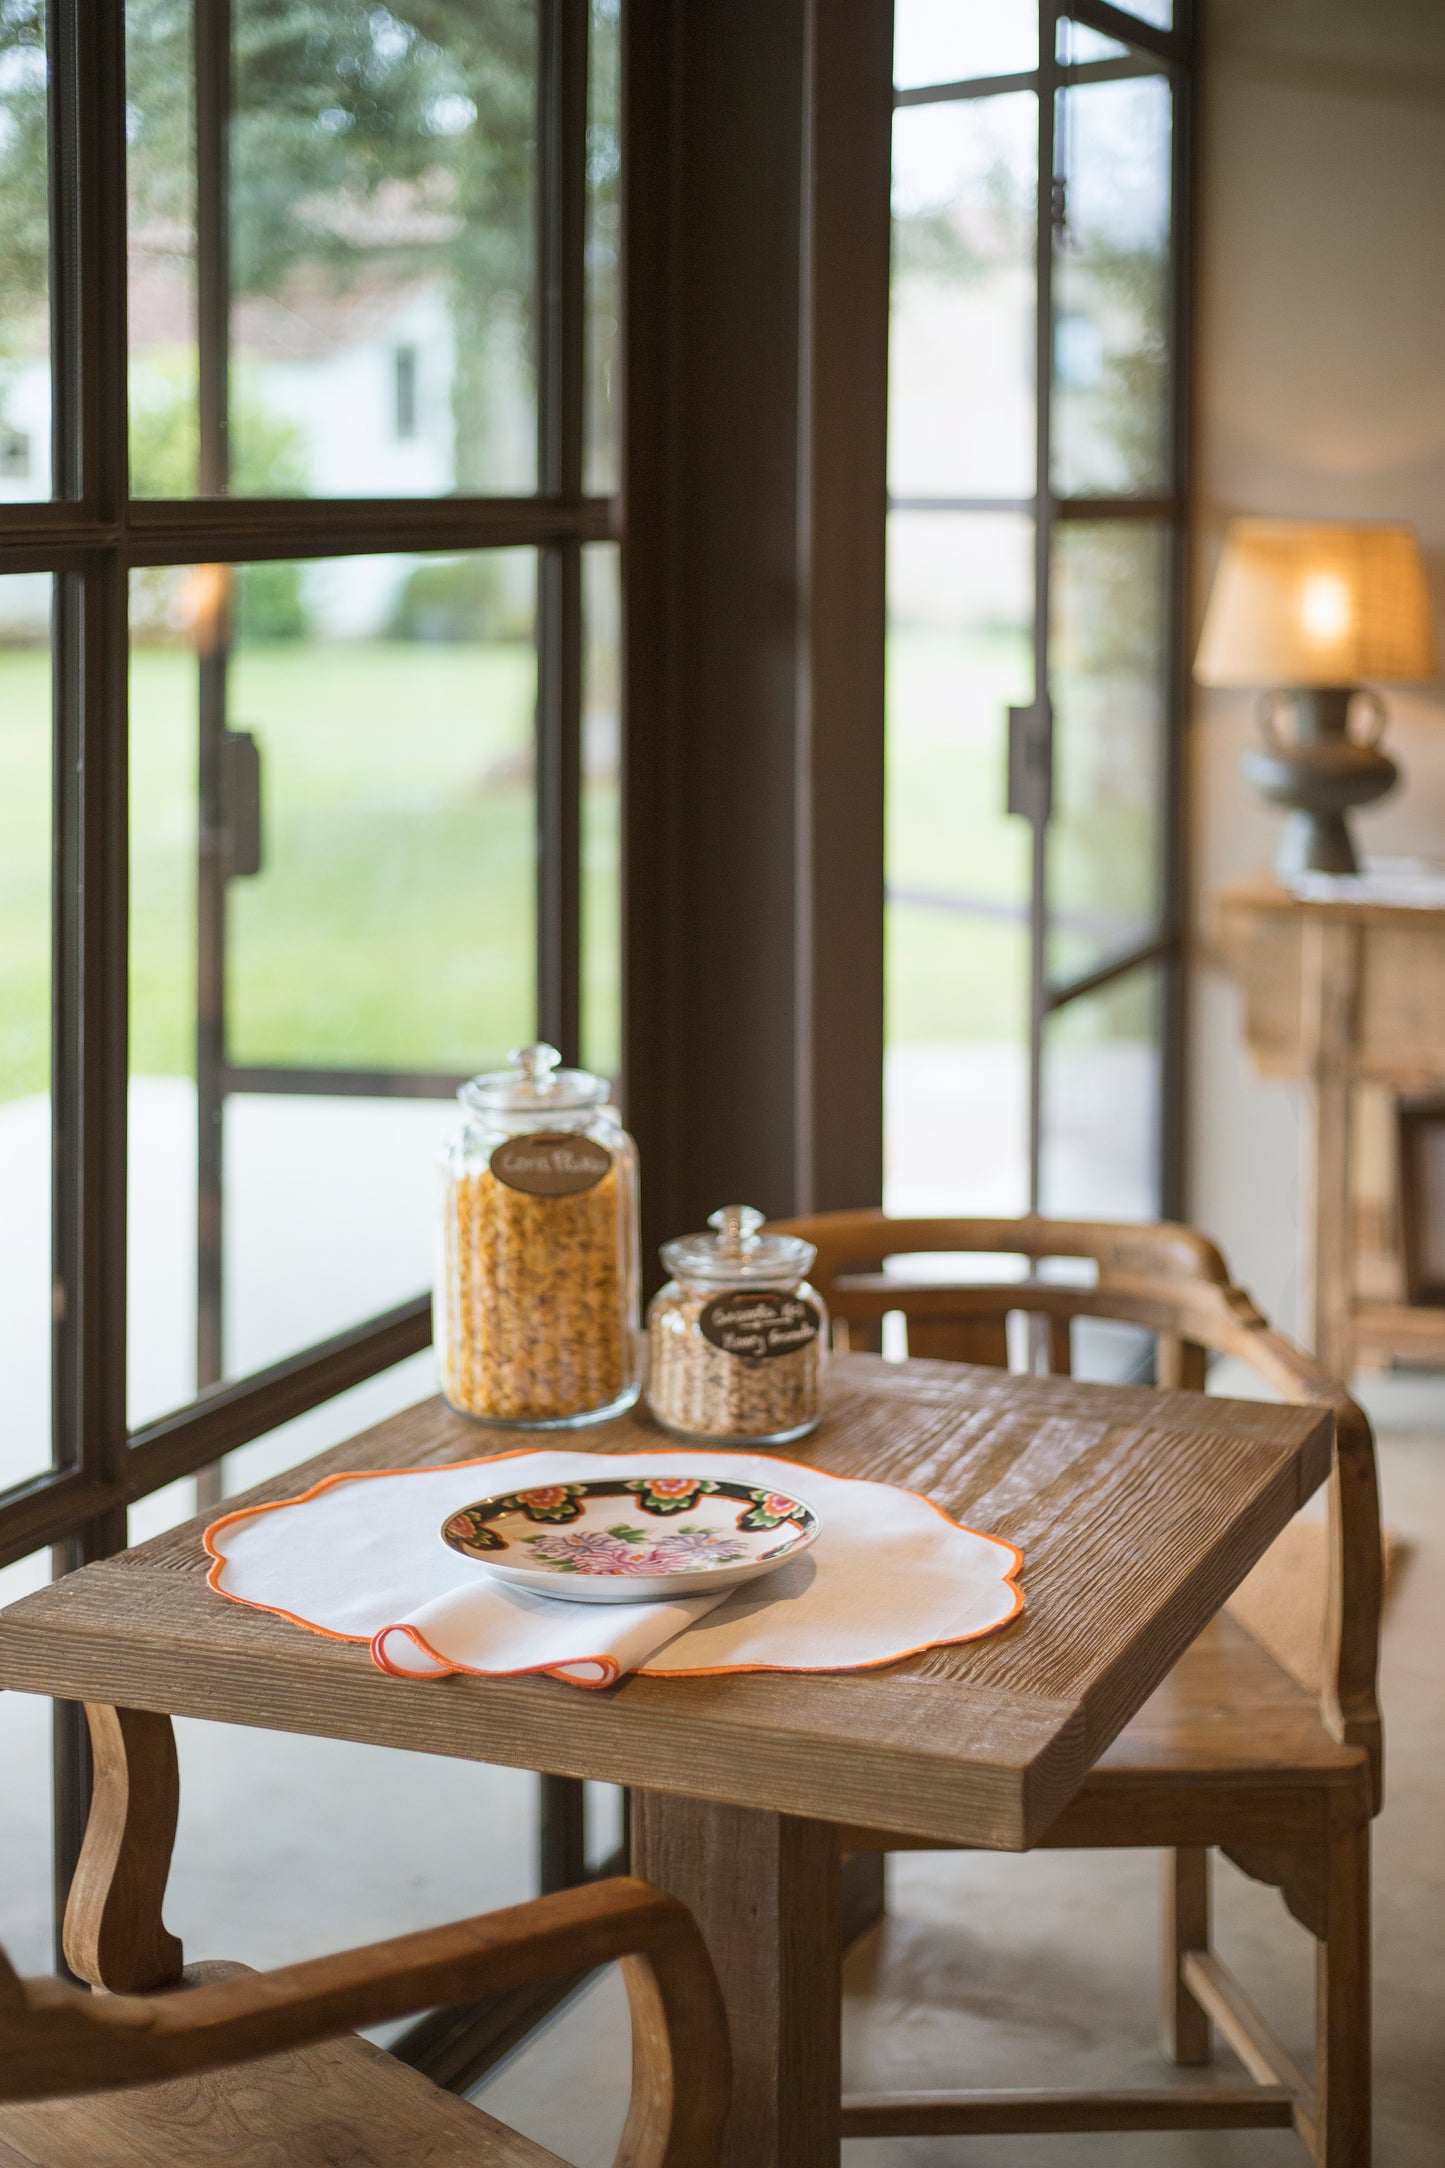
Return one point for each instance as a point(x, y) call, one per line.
point(379, 221)
point(377, 920)
point(1100, 1156)
point(26, 1878)
point(959, 651)
point(381, 176)
point(291, 1847)
point(1158, 12)
point(164, 853)
point(24, 256)
point(948, 41)
point(25, 864)
point(161, 247)
point(601, 816)
point(961, 397)
point(290, 1444)
point(1111, 290)
point(1108, 686)
point(391, 923)
point(1075, 42)
point(604, 213)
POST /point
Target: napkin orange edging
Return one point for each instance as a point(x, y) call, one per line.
point(327, 1633)
point(607, 1664)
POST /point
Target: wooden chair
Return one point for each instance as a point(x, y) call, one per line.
point(1233, 1751)
point(261, 2070)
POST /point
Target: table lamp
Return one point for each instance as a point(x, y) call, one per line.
point(1305, 611)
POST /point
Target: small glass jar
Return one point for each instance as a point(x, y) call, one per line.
point(737, 1340)
point(536, 1287)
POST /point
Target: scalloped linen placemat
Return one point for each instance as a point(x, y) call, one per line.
point(361, 1558)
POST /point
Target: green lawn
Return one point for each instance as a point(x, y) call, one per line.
point(24, 871)
point(392, 923)
point(950, 976)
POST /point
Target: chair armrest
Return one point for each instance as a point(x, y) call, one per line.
point(70, 2041)
point(1356, 1584)
point(1349, 1700)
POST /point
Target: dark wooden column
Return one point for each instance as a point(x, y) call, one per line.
point(757, 187)
point(844, 411)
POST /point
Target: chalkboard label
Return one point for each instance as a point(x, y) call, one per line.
point(760, 1324)
point(550, 1163)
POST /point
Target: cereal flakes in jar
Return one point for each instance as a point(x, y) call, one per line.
point(536, 1288)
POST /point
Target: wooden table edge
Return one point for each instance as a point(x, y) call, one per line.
point(1005, 1804)
point(1260, 893)
point(932, 1794)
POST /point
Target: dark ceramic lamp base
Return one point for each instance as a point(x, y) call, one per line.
point(1320, 775)
point(1315, 843)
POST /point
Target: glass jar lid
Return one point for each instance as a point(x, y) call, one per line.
point(738, 1255)
point(534, 1084)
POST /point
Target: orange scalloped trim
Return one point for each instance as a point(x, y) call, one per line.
point(606, 1663)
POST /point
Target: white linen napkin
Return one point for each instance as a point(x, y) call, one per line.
point(474, 1626)
point(361, 1558)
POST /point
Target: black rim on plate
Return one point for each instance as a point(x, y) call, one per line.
point(470, 1529)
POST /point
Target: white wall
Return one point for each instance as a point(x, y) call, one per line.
point(1320, 393)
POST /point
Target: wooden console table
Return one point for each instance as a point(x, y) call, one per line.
point(1349, 998)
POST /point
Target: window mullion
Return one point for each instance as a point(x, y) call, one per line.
point(562, 210)
point(212, 78)
point(1171, 839)
point(561, 382)
point(89, 970)
point(1043, 561)
point(89, 1000)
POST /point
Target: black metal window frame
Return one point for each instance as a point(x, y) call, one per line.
point(90, 537)
point(1150, 52)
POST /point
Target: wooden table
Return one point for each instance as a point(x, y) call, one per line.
point(1348, 998)
point(1138, 1512)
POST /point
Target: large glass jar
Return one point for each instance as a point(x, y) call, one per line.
point(737, 1340)
point(536, 1291)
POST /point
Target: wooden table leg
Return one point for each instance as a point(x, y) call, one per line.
point(864, 1893)
point(114, 1935)
point(1329, 1005)
point(764, 1888)
point(561, 1834)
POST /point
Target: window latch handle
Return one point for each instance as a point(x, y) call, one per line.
point(240, 805)
point(1031, 761)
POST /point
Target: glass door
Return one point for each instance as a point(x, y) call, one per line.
point(358, 769)
point(1035, 469)
point(309, 597)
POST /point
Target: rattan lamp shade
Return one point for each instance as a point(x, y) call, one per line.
point(1300, 604)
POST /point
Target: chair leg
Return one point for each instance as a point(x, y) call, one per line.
point(1342, 2007)
point(1184, 2024)
point(114, 1934)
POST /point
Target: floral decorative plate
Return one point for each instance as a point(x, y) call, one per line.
point(633, 1539)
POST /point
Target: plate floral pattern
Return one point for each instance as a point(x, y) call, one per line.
point(770, 1509)
point(669, 1493)
point(473, 1527)
point(623, 1549)
point(647, 1528)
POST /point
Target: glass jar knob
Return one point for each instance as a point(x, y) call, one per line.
point(536, 1064)
point(737, 1229)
